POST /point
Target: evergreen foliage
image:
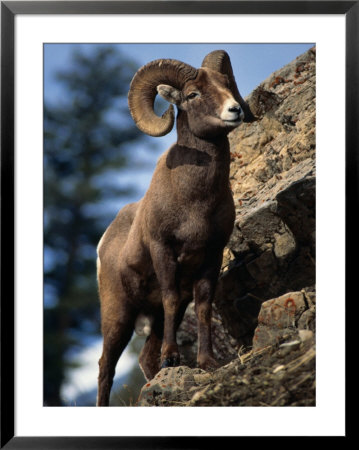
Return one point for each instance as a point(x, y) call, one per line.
point(85, 138)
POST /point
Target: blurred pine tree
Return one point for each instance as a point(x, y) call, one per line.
point(85, 139)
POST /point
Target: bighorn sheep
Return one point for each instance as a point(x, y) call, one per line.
point(167, 248)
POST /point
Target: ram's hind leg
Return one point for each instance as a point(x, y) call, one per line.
point(117, 328)
point(150, 356)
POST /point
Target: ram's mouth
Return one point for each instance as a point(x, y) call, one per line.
point(233, 122)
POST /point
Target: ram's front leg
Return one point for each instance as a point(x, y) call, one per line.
point(203, 290)
point(165, 266)
point(170, 356)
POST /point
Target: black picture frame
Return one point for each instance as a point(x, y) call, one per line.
point(9, 9)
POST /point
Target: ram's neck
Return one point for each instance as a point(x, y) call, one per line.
point(200, 166)
point(216, 147)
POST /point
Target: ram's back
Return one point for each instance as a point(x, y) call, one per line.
point(113, 240)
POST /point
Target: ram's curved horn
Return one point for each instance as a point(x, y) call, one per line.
point(141, 96)
point(219, 60)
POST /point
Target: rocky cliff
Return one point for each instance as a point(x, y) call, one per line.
point(264, 311)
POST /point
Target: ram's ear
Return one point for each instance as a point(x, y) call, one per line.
point(169, 93)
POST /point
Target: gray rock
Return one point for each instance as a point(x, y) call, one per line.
point(278, 319)
point(172, 383)
point(272, 247)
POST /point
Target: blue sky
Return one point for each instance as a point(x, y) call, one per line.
point(252, 63)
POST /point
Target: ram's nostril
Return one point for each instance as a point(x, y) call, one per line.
point(236, 109)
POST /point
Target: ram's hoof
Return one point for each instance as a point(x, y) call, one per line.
point(171, 361)
point(208, 364)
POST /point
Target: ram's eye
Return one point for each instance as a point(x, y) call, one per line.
point(192, 95)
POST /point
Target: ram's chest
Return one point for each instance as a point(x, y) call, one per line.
point(199, 183)
point(195, 226)
point(194, 235)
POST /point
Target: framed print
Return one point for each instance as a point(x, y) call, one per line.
point(72, 157)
